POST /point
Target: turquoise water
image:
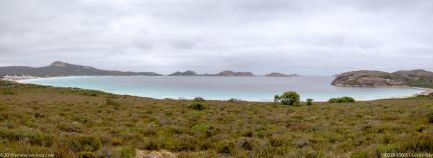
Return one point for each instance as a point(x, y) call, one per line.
point(222, 88)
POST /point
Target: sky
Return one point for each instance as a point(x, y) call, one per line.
point(307, 37)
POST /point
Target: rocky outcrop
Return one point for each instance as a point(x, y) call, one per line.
point(59, 68)
point(277, 74)
point(365, 78)
point(186, 73)
point(229, 73)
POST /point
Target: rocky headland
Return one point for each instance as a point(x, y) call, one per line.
point(368, 78)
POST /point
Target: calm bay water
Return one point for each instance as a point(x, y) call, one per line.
point(222, 88)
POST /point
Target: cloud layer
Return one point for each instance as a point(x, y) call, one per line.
point(292, 36)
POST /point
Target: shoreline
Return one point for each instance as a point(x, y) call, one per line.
point(425, 91)
point(422, 91)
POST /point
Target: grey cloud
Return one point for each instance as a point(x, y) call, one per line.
point(301, 36)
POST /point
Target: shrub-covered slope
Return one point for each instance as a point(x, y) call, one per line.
point(73, 122)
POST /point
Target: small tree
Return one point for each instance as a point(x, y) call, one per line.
point(276, 98)
point(290, 98)
point(309, 101)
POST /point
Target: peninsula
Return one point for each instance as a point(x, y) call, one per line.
point(59, 68)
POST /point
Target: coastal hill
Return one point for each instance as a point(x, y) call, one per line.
point(277, 74)
point(59, 68)
point(366, 78)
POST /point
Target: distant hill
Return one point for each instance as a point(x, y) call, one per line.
point(59, 68)
point(366, 78)
point(277, 74)
point(186, 73)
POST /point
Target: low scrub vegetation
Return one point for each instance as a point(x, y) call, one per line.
point(72, 123)
point(342, 100)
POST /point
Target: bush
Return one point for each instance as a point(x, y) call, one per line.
point(84, 143)
point(198, 106)
point(342, 100)
point(127, 152)
point(202, 128)
point(430, 117)
point(116, 141)
point(225, 147)
point(290, 98)
point(198, 99)
point(111, 102)
point(309, 101)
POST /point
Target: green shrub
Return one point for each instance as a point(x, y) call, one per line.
point(198, 106)
point(84, 143)
point(198, 99)
point(127, 152)
point(202, 128)
point(342, 100)
point(225, 147)
point(290, 98)
point(70, 127)
point(309, 101)
point(277, 141)
point(430, 117)
point(87, 155)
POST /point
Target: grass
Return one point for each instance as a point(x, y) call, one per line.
point(72, 122)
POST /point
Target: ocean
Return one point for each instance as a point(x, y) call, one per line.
point(223, 88)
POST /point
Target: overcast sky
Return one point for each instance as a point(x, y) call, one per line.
point(310, 37)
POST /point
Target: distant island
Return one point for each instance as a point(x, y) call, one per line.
point(226, 73)
point(367, 78)
point(186, 73)
point(59, 68)
point(277, 74)
point(231, 73)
